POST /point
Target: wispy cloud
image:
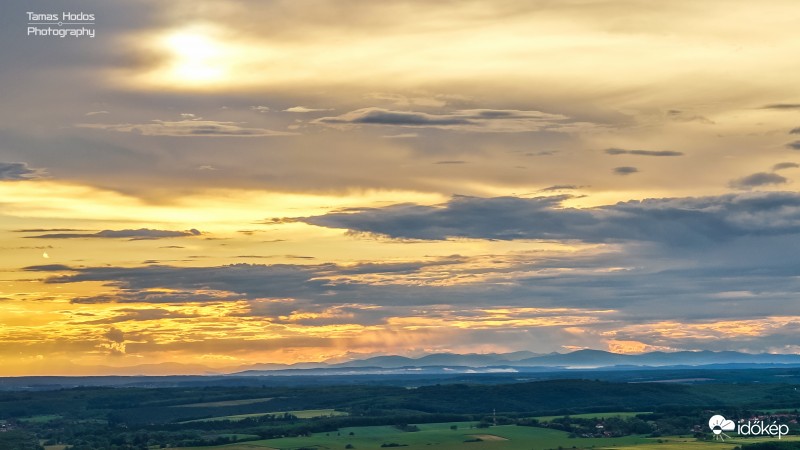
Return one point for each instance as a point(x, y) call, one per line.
point(303, 109)
point(785, 165)
point(133, 235)
point(188, 128)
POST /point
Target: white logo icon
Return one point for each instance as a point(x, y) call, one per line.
point(719, 425)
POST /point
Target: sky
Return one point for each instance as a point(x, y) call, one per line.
point(206, 185)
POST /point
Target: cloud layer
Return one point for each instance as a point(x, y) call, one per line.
point(681, 221)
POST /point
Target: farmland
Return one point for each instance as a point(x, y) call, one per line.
point(447, 436)
point(440, 436)
point(302, 414)
point(533, 415)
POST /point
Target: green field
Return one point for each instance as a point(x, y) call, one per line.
point(675, 443)
point(312, 413)
point(678, 443)
point(605, 415)
point(302, 414)
point(439, 436)
point(247, 401)
point(44, 418)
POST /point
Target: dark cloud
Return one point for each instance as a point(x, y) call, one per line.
point(136, 315)
point(157, 296)
point(115, 335)
point(561, 187)
point(401, 136)
point(782, 106)
point(758, 179)
point(133, 235)
point(619, 151)
point(144, 284)
point(677, 221)
point(378, 116)
point(46, 230)
point(451, 162)
point(302, 287)
point(48, 268)
point(795, 131)
point(482, 120)
point(794, 145)
point(16, 171)
point(785, 165)
point(625, 170)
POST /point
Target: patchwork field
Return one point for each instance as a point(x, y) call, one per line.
point(302, 414)
point(460, 435)
point(437, 436)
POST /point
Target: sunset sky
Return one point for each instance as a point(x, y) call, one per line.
point(220, 184)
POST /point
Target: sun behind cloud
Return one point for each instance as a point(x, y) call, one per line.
point(197, 57)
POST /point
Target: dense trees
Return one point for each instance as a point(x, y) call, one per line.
point(19, 440)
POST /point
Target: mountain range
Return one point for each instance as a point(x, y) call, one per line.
point(527, 361)
point(443, 363)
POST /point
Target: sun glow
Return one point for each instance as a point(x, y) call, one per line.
point(198, 58)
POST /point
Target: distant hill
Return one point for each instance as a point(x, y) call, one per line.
point(527, 361)
point(440, 359)
point(598, 358)
point(452, 363)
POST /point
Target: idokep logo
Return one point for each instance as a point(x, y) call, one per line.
point(719, 425)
